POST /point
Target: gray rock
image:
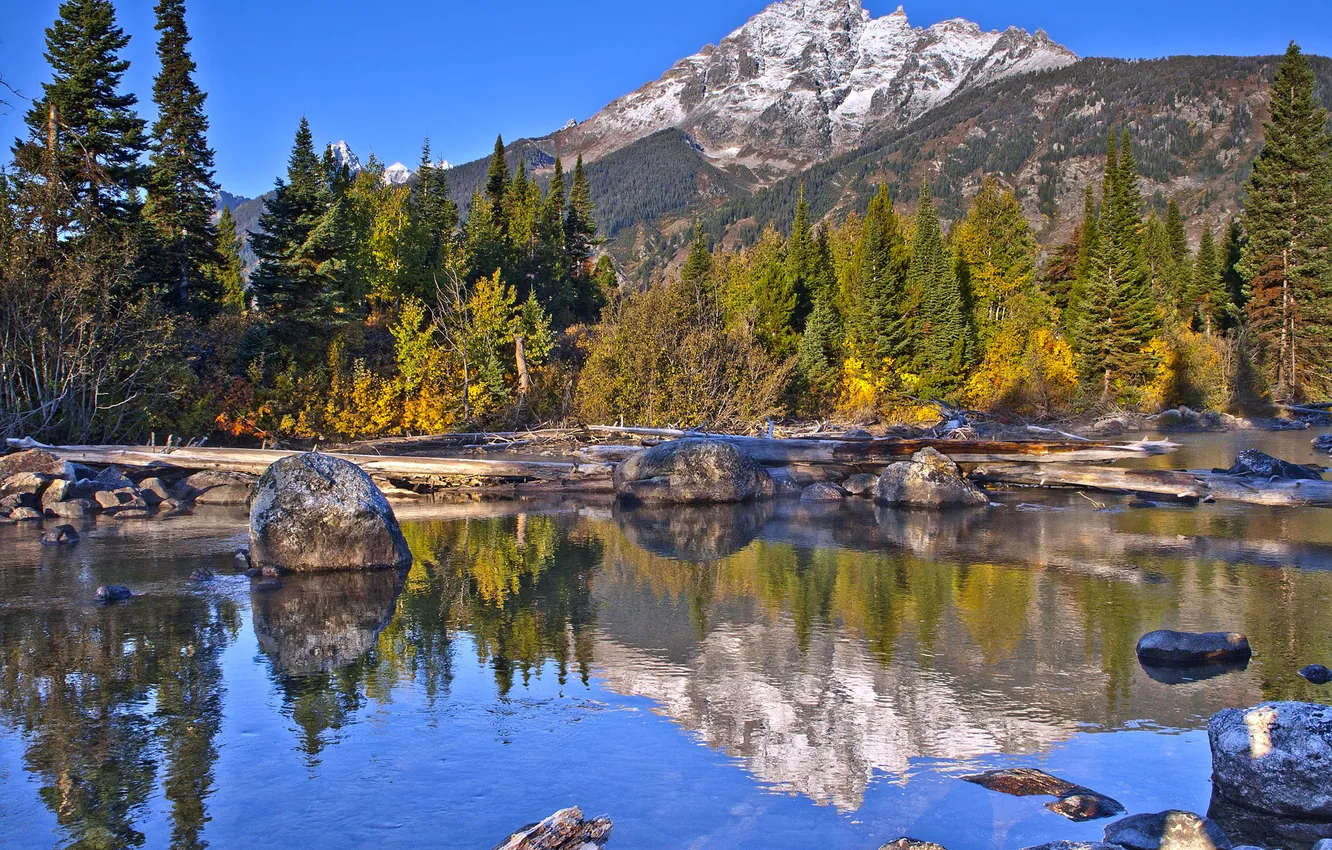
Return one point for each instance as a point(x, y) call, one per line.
point(25, 514)
point(1325, 844)
point(18, 500)
point(1076, 845)
point(57, 491)
point(241, 562)
point(1275, 757)
point(133, 513)
point(110, 593)
point(63, 535)
point(930, 480)
point(863, 484)
point(784, 483)
point(315, 512)
point(1317, 674)
point(73, 509)
point(108, 500)
point(858, 434)
point(219, 488)
point(1170, 647)
point(822, 492)
point(692, 471)
point(153, 491)
point(1255, 464)
point(1171, 830)
point(34, 460)
point(25, 483)
point(565, 830)
point(268, 585)
point(130, 498)
point(112, 478)
point(1323, 444)
point(202, 576)
point(911, 844)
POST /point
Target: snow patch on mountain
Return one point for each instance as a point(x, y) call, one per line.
point(343, 156)
point(806, 79)
point(397, 174)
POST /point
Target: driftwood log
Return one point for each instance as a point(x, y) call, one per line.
point(885, 450)
point(255, 461)
point(1190, 486)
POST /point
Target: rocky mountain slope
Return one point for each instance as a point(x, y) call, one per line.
point(806, 79)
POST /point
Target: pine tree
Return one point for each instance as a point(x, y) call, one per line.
point(1075, 319)
point(580, 231)
point(818, 360)
point(1179, 277)
point(298, 281)
point(944, 344)
point(1207, 300)
point(549, 276)
point(998, 254)
point(181, 189)
point(880, 316)
point(801, 258)
point(697, 273)
point(497, 185)
point(1288, 225)
point(98, 137)
point(229, 271)
point(432, 224)
point(484, 245)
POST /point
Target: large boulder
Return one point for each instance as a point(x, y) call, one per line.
point(929, 480)
point(315, 512)
point(25, 484)
point(567, 829)
point(34, 460)
point(1275, 757)
point(1172, 830)
point(1187, 648)
point(1323, 443)
point(692, 471)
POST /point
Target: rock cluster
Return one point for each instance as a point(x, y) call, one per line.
point(1074, 802)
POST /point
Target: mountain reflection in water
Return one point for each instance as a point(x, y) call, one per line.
point(821, 648)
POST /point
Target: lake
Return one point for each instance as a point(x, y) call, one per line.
point(775, 676)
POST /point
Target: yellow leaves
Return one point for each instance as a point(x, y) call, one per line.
point(1024, 368)
point(1190, 371)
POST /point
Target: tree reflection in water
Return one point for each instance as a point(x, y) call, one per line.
point(113, 701)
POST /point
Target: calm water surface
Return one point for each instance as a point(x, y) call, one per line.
point(760, 677)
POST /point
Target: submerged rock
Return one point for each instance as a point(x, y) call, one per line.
point(692, 471)
point(63, 535)
point(110, 593)
point(929, 480)
point(1317, 674)
point(1076, 845)
point(1323, 443)
point(202, 576)
point(911, 844)
point(564, 830)
point(1187, 648)
point(863, 484)
point(1276, 758)
point(1171, 830)
point(1256, 464)
point(314, 512)
point(1076, 802)
point(823, 492)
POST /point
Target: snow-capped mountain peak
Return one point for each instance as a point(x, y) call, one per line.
point(343, 156)
point(806, 79)
point(397, 174)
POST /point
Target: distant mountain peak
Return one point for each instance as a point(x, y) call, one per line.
point(397, 174)
point(806, 79)
point(343, 156)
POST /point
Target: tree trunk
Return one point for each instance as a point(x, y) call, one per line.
point(520, 356)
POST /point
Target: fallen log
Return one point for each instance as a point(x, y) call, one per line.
point(414, 469)
point(1200, 486)
point(885, 450)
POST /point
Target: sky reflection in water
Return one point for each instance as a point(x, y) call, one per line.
point(745, 677)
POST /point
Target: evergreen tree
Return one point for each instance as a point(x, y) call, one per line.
point(181, 189)
point(551, 284)
point(1207, 300)
point(1231, 254)
point(818, 360)
point(229, 271)
point(1075, 319)
point(485, 247)
point(880, 317)
point(1288, 224)
point(998, 256)
point(432, 223)
point(497, 185)
point(297, 283)
point(580, 231)
point(98, 137)
point(944, 344)
point(801, 259)
point(770, 296)
point(697, 273)
point(1179, 272)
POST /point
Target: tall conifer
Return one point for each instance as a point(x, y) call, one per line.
point(181, 189)
point(1287, 258)
point(944, 344)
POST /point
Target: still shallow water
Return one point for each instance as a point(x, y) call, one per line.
point(760, 677)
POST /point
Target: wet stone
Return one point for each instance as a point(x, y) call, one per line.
point(270, 585)
point(64, 535)
point(202, 576)
point(863, 484)
point(25, 514)
point(1170, 830)
point(1170, 647)
point(1086, 805)
point(110, 593)
point(1317, 674)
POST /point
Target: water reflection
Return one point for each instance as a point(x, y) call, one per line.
point(825, 649)
point(113, 702)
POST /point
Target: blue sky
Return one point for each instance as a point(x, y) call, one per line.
point(384, 75)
